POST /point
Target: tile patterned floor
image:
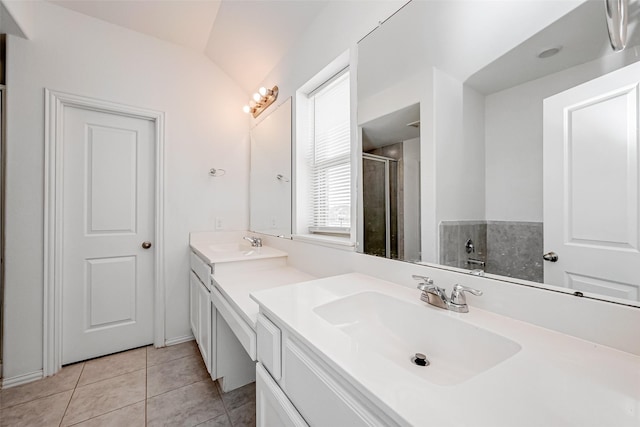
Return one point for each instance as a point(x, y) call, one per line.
point(155, 387)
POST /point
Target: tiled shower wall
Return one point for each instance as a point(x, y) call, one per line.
point(453, 237)
point(508, 248)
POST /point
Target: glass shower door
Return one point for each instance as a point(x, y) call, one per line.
point(374, 206)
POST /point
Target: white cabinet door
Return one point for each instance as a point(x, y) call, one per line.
point(272, 406)
point(204, 324)
point(194, 306)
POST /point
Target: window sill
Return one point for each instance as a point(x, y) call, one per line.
point(343, 243)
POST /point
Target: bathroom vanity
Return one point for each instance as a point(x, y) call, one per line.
point(224, 271)
point(348, 349)
point(348, 343)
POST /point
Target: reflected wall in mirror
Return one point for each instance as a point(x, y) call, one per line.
point(270, 174)
point(528, 139)
point(391, 185)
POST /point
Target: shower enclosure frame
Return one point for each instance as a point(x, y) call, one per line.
point(387, 197)
point(3, 103)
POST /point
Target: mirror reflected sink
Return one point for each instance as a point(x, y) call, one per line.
point(230, 252)
point(233, 247)
point(397, 330)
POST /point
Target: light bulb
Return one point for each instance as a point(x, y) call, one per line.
point(262, 91)
point(246, 109)
point(256, 97)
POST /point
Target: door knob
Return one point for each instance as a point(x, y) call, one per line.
point(550, 256)
point(146, 245)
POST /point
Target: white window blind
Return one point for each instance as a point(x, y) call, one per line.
point(331, 157)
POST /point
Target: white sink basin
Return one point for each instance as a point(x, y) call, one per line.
point(396, 329)
point(231, 252)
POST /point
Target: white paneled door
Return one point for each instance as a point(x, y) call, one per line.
point(108, 233)
point(591, 186)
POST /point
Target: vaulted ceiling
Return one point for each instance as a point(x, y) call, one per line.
point(246, 38)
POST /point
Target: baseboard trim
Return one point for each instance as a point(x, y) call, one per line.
point(179, 340)
point(22, 379)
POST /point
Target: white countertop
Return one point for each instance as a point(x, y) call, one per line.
point(554, 380)
point(224, 247)
point(218, 253)
point(236, 287)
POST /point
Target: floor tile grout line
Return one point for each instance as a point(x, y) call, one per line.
point(171, 360)
point(72, 393)
point(36, 398)
point(106, 379)
point(110, 378)
point(108, 356)
point(226, 408)
point(178, 388)
point(217, 416)
point(224, 405)
point(108, 412)
point(86, 385)
point(39, 397)
point(115, 376)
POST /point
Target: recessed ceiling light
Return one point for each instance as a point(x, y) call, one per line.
point(549, 52)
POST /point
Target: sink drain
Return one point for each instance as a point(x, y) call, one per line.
point(420, 360)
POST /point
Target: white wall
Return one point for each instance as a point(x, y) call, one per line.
point(458, 149)
point(514, 139)
point(205, 128)
point(8, 24)
point(336, 29)
point(21, 13)
point(459, 152)
point(411, 200)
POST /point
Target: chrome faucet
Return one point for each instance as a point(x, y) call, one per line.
point(256, 242)
point(435, 295)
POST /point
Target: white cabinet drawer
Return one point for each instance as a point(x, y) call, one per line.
point(245, 334)
point(272, 406)
point(201, 268)
point(269, 346)
point(307, 384)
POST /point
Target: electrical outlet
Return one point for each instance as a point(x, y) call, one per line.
point(218, 223)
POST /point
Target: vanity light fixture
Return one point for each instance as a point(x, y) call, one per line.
point(261, 100)
point(617, 12)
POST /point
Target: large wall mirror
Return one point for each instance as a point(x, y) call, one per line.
point(270, 173)
point(501, 139)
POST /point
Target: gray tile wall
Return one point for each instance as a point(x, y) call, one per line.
point(515, 249)
point(508, 248)
point(453, 237)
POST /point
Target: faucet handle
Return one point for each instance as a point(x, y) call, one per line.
point(458, 297)
point(426, 282)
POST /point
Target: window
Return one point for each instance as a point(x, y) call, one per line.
point(329, 157)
